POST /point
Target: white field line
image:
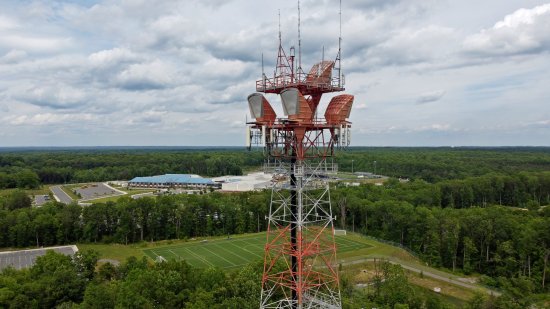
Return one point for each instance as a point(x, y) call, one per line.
point(344, 240)
point(238, 265)
point(243, 248)
point(219, 256)
point(177, 256)
point(348, 246)
point(353, 243)
point(254, 238)
point(252, 245)
point(240, 257)
point(199, 257)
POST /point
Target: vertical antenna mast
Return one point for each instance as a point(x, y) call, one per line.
point(340, 48)
point(299, 41)
point(263, 72)
point(279, 27)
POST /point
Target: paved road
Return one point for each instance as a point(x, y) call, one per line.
point(60, 195)
point(428, 273)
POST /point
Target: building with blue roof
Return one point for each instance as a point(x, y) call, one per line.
point(172, 181)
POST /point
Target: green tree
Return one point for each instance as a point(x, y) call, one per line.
point(17, 199)
point(27, 179)
point(85, 263)
point(55, 280)
point(100, 296)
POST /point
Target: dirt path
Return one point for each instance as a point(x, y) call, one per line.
point(429, 273)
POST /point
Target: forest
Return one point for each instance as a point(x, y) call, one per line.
point(57, 281)
point(472, 211)
point(28, 168)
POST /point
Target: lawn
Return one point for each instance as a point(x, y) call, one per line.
point(114, 198)
point(114, 251)
point(45, 190)
point(232, 252)
point(355, 252)
point(69, 190)
point(352, 247)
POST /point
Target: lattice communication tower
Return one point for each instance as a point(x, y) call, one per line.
point(300, 252)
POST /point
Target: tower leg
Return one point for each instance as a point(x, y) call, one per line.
point(300, 252)
point(293, 228)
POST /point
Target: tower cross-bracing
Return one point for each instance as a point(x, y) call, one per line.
point(300, 252)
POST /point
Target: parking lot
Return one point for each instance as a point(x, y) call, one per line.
point(94, 190)
point(41, 199)
point(26, 258)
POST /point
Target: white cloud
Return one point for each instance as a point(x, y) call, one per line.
point(13, 55)
point(523, 32)
point(438, 127)
point(49, 119)
point(158, 74)
point(112, 56)
point(53, 96)
point(431, 96)
point(145, 76)
point(7, 23)
point(37, 44)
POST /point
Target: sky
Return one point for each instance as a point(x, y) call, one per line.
point(177, 73)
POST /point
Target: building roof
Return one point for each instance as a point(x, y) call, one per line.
point(174, 178)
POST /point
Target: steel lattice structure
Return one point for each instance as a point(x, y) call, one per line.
point(300, 252)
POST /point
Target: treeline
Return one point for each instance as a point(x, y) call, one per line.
point(525, 189)
point(501, 242)
point(441, 163)
point(17, 177)
point(29, 169)
point(509, 244)
point(20, 168)
point(57, 281)
point(129, 220)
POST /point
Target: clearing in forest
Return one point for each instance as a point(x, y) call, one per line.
point(231, 252)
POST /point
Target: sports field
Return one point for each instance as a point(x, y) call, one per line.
point(229, 253)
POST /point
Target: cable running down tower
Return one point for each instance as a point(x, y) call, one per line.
point(300, 252)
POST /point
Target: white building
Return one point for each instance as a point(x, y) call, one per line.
point(250, 182)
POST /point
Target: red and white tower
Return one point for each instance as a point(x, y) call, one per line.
point(300, 252)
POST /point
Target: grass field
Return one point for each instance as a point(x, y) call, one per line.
point(42, 190)
point(355, 253)
point(231, 253)
point(114, 198)
point(368, 248)
point(69, 190)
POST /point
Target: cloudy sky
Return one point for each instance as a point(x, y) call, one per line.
point(137, 72)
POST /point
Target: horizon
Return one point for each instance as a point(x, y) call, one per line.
point(254, 148)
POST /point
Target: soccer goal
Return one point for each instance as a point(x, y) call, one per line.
point(340, 233)
point(160, 259)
